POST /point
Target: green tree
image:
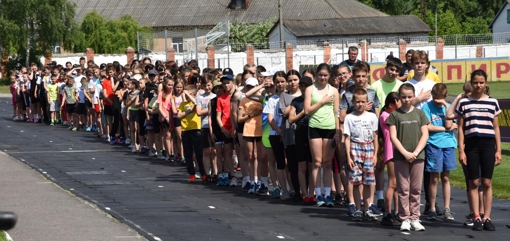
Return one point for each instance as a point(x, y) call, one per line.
point(109, 36)
point(242, 34)
point(34, 27)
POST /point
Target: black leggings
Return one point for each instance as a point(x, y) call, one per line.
point(480, 154)
point(278, 151)
point(292, 163)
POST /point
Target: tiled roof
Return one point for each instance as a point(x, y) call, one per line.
point(356, 26)
point(185, 13)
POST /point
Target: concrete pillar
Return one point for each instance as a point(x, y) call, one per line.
point(479, 51)
point(210, 56)
point(290, 57)
point(364, 51)
point(250, 54)
point(170, 54)
point(90, 54)
point(402, 45)
point(327, 52)
point(439, 48)
point(130, 54)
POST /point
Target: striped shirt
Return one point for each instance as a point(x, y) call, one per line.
point(478, 115)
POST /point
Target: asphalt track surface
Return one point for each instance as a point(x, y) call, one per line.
point(155, 199)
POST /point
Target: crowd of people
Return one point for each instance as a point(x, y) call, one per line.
point(322, 137)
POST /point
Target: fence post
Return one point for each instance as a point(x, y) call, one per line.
point(455, 46)
point(130, 54)
point(210, 56)
point(289, 50)
point(364, 50)
point(90, 54)
point(402, 49)
point(440, 48)
point(250, 54)
point(327, 52)
point(170, 54)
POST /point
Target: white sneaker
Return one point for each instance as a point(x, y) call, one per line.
point(233, 182)
point(128, 141)
point(416, 224)
point(406, 225)
point(133, 149)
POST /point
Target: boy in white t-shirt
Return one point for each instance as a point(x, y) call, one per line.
point(422, 85)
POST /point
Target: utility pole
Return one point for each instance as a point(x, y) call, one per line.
point(280, 10)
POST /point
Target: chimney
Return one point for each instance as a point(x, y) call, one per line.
point(239, 4)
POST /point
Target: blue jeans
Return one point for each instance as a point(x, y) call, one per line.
point(192, 142)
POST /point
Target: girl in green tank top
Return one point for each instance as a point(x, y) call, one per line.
point(321, 101)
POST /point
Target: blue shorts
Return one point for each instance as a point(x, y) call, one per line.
point(439, 159)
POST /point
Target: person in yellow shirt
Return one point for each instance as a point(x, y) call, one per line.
point(429, 74)
point(191, 132)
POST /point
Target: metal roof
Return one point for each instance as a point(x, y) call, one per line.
point(356, 26)
point(187, 13)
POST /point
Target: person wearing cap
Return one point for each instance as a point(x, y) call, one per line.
point(321, 105)
point(298, 117)
point(241, 148)
point(216, 135)
point(250, 113)
point(228, 71)
point(223, 117)
point(152, 114)
point(261, 94)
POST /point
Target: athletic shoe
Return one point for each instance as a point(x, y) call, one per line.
point(252, 189)
point(432, 215)
point(306, 200)
point(220, 181)
point(161, 157)
point(292, 193)
point(438, 213)
point(371, 216)
point(380, 205)
point(358, 216)
point(233, 182)
point(351, 209)
point(469, 220)
point(94, 128)
point(226, 181)
point(320, 201)
point(428, 208)
point(88, 129)
point(477, 225)
point(285, 196)
point(263, 190)
point(113, 140)
point(387, 220)
point(313, 201)
point(246, 186)
point(64, 123)
point(133, 149)
point(70, 128)
point(406, 225)
point(121, 140)
point(447, 215)
point(416, 225)
point(152, 152)
point(276, 192)
point(128, 141)
point(192, 178)
point(204, 179)
point(329, 202)
point(74, 129)
point(52, 124)
point(488, 226)
point(197, 174)
point(375, 211)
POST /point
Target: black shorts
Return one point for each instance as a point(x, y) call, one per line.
point(26, 97)
point(88, 104)
point(227, 140)
point(480, 154)
point(81, 109)
point(165, 124)
point(33, 99)
point(177, 122)
point(206, 138)
point(108, 110)
point(218, 135)
point(240, 127)
point(252, 138)
point(316, 133)
point(70, 108)
point(303, 152)
point(133, 115)
point(154, 124)
point(465, 170)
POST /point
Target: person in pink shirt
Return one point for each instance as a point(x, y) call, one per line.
point(166, 110)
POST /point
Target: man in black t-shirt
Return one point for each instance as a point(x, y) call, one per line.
point(406, 67)
point(153, 126)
